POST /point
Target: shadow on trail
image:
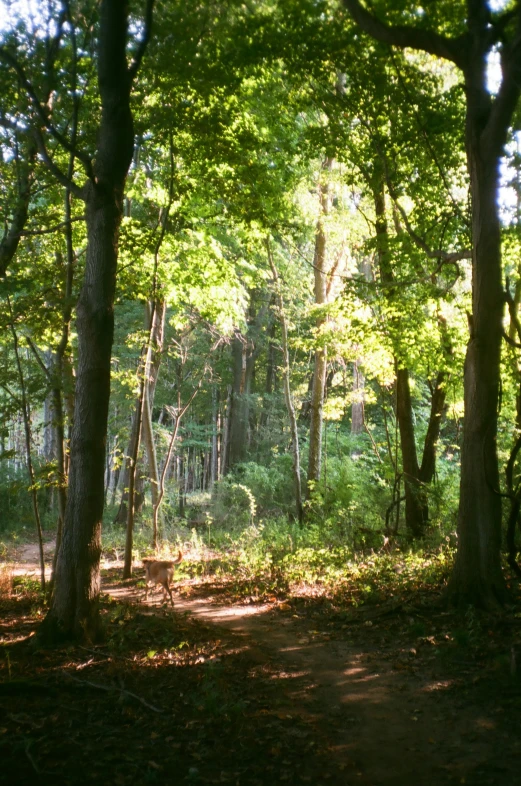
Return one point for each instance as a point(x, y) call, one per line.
point(274, 693)
point(382, 707)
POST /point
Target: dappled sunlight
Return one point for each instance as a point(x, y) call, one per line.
point(285, 675)
point(294, 684)
point(221, 613)
point(439, 685)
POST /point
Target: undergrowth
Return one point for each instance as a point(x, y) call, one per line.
point(277, 557)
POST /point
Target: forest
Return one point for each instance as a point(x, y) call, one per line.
point(260, 306)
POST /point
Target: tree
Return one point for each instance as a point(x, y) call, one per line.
point(74, 609)
point(287, 387)
point(477, 576)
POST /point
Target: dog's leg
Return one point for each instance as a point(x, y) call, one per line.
point(166, 588)
point(147, 582)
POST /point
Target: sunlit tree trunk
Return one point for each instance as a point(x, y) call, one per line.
point(477, 577)
point(286, 374)
point(320, 268)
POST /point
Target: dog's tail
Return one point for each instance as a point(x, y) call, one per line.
point(155, 559)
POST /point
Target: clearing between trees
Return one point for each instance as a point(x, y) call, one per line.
point(295, 689)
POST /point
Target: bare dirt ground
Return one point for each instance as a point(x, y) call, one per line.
point(293, 691)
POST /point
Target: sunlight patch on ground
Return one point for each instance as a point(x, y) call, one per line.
point(361, 678)
point(353, 671)
point(485, 723)
point(289, 675)
point(438, 685)
point(224, 612)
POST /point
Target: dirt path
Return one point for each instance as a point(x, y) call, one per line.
point(25, 559)
point(391, 700)
point(393, 713)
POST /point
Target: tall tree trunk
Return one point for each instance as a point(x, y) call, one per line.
point(286, 371)
point(74, 609)
point(243, 366)
point(416, 508)
point(225, 444)
point(133, 461)
point(214, 453)
point(271, 367)
point(439, 394)
point(57, 375)
point(320, 267)
point(477, 576)
point(357, 406)
point(157, 332)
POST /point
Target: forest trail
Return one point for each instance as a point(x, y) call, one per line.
point(388, 713)
point(374, 700)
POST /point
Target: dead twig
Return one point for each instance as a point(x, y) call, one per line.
point(31, 759)
point(111, 688)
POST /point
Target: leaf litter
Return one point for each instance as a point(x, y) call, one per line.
point(309, 690)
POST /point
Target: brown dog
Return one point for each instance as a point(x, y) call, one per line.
point(160, 572)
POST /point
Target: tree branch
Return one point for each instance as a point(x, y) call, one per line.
point(41, 112)
point(495, 133)
point(453, 49)
point(138, 57)
point(11, 239)
point(55, 228)
point(60, 176)
point(38, 358)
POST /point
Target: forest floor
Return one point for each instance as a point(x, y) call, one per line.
point(292, 690)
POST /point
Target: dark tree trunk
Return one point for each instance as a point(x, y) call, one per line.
point(243, 366)
point(428, 465)
point(316, 405)
point(74, 609)
point(416, 509)
point(477, 576)
point(214, 456)
point(225, 445)
point(153, 364)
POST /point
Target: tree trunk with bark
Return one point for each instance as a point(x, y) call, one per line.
point(477, 577)
point(320, 267)
point(438, 397)
point(416, 507)
point(243, 366)
point(74, 610)
point(286, 371)
point(157, 311)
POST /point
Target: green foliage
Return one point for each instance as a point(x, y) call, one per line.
point(235, 503)
point(281, 558)
point(255, 489)
point(17, 518)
